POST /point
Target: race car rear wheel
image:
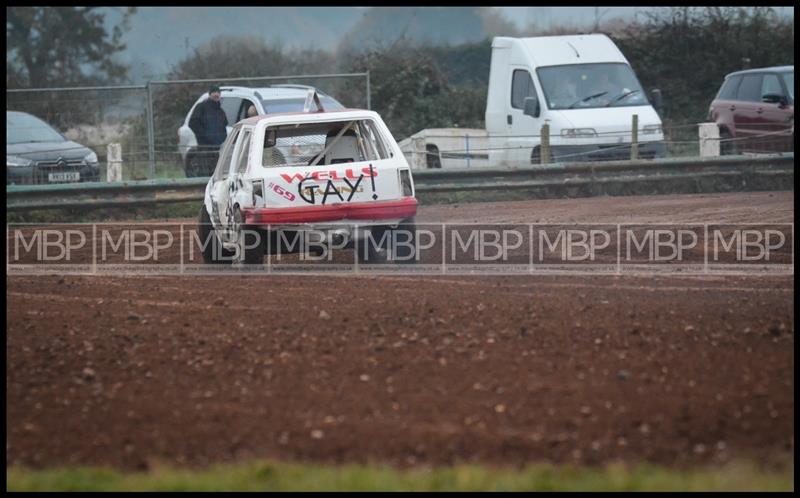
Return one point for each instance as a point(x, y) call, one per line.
point(405, 251)
point(212, 249)
point(252, 240)
point(367, 252)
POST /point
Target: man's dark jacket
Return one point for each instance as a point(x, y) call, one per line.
point(208, 123)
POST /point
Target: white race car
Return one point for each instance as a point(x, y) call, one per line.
point(309, 182)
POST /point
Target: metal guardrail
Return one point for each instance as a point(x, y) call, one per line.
point(151, 192)
point(586, 173)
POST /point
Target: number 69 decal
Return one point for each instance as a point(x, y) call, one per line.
point(281, 191)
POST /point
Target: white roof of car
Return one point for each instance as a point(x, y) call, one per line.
point(569, 49)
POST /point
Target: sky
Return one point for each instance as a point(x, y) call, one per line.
point(162, 36)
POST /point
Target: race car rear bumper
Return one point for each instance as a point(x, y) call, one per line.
point(371, 211)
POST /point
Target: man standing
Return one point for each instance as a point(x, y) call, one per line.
point(209, 124)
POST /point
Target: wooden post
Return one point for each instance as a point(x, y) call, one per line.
point(634, 137)
point(708, 133)
point(545, 146)
point(114, 163)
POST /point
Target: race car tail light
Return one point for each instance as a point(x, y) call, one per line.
point(405, 181)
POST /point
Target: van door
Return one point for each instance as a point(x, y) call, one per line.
point(775, 120)
point(746, 118)
point(523, 131)
point(723, 107)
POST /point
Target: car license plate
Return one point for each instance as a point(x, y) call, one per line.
point(66, 176)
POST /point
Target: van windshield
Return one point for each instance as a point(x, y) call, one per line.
point(582, 86)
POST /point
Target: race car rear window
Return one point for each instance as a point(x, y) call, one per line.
point(325, 143)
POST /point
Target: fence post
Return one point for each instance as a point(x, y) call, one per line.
point(708, 133)
point(114, 163)
point(545, 145)
point(369, 96)
point(151, 146)
point(634, 137)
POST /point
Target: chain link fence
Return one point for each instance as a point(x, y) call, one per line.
point(145, 119)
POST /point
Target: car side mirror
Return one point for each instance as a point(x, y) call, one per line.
point(270, 139)
point(531, 107)
point(773, 98)
point(658, 99)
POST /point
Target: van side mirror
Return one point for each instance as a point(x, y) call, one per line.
point(658, 99)
point(774, 98)
point(531, 107)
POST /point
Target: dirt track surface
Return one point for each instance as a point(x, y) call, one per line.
point(126, 371)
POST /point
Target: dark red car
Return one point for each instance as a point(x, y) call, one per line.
point(754, 110)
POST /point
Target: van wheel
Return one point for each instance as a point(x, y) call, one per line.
point(213, 251)
point(727, 147)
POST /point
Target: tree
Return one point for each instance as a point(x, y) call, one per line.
point(686, 52)
point(50, 47)
point(63, 46)
point(380, 27)
point(411, 92)
point(464, 64)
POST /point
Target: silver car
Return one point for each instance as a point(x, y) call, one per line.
point(236, 100)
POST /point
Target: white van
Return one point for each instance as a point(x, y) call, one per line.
point(581, 85)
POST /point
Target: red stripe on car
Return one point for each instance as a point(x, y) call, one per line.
point(382, 210)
